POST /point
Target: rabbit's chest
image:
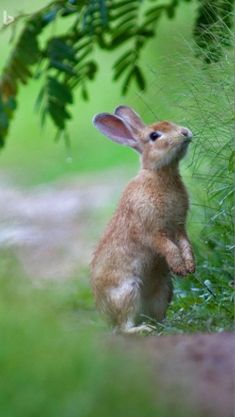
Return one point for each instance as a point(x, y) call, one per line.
point(168, 209)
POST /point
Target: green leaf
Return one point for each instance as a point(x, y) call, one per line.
point(145, 33)
point(153, 15)
point(3, 121)
point(119, 39)
point(122, 67)
point(154, 11)
point(63, 67)
point(50, 15)
point(123, 24)
point(139, 78)
point(58, 114)
point(84, 92)
point(10, 104)
point(120, 4)
point(28, 55)
point(131, 14)
point(170, 11)
point(84, 54)
point(82, 43)
point(59, 91)
point(8, 85)
point(91, 69)
point(58, 49)
point(127, 82)
point(123, 58)
point(40, 98)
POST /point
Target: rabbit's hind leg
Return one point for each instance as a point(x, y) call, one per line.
point(123, 304)
point(155, 304)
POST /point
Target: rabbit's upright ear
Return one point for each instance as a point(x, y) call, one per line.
point(130, 117)
point(116, 129)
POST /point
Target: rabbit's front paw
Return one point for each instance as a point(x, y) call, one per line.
point(178, 269)
point(190, 266)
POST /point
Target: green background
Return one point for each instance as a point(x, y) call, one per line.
point(31, 153)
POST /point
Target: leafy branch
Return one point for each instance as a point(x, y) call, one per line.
point(67, 62)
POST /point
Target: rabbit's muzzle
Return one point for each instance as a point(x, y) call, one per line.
point(186, 133)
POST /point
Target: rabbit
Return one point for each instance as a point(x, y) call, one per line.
point(146, 238)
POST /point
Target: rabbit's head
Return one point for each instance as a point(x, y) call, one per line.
point(160, 144)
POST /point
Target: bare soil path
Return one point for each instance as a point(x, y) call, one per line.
point(52, 229)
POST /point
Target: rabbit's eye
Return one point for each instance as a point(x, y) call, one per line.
point(155, 135)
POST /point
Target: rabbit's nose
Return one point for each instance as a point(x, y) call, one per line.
point(186, 132)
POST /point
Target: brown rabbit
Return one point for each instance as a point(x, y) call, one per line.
point(146, 238)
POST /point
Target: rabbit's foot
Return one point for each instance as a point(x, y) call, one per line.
point(142, 329)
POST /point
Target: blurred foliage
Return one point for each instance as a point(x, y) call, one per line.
point(53, 364)
point(66, 61)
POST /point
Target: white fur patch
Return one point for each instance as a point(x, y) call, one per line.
point(128, 288)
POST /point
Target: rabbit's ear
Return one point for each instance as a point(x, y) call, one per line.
point(116, 129)
point(130, 116)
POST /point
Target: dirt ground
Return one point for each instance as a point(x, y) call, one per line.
point(52, 229)
point(194, 374)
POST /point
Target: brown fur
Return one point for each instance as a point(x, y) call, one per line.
point(146, 238)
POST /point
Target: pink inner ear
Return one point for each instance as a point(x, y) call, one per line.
point(115, 128)
point(129, 116)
